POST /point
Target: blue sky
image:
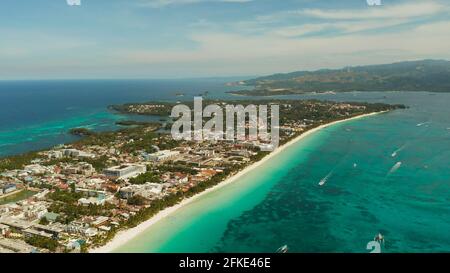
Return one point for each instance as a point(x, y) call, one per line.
point(47, 39)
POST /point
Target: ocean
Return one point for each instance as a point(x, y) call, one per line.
point(36, 115)
point(386, 174)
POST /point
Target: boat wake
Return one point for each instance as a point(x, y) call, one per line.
point(394, 154)
point(423, 123)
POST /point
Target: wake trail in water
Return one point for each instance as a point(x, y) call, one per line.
point(325, 179)
point(423, 123)
point(395, 153)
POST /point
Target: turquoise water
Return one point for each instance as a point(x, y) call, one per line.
point(282, 203)
point(36, 115)
point(197, 226)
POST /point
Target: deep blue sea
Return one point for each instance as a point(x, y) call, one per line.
point(366, 192)
point(37, 114)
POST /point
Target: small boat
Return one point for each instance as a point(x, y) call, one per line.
point(283, 249)
point(395, 167)
point(325, 179)
point(355, 165)
point(379, 238)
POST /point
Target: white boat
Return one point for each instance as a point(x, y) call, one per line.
point(324, 180)
point(283, 249)
point(395, 167)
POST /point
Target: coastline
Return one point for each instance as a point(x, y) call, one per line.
point(122, 237)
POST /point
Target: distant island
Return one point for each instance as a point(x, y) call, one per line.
point(424, 75)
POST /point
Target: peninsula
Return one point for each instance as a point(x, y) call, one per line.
point(109, 186)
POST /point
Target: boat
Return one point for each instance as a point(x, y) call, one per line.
point(395, 167)
point(325, 179)
point(379, 238)
point(283, 249)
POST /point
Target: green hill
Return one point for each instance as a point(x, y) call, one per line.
point(425, 75)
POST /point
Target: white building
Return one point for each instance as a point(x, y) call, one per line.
point(35, 169)
point(77, 153)
point(163, 155)
point(125, 171)
point(55, 154)
point(147, 190)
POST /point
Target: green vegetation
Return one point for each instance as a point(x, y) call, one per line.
point(145, 177)
point(81, 132)
point(18, 196)
point(70, 211)
point(65, 196)
point(41, 242)
point(136, 200)
point(43, 221)
point(176, 168)
point(99, 163)
point(157, 125)
point(17, 161)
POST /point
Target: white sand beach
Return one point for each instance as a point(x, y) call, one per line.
point(124, 236)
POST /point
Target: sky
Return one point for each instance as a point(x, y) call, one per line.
point(48, 39)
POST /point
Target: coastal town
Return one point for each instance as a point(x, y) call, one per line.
point(76, 196)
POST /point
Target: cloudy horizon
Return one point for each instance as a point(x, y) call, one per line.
point(213, 38)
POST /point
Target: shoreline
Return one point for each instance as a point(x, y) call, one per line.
point(122, 237)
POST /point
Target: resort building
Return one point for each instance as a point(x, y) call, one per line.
point(163, 155)
point(147, 190)
point(77, 153)
point(125, 171)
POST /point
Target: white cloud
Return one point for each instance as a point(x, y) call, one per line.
point(163, 3)
point(408, 10)
point(340, 27)
point(243, 54)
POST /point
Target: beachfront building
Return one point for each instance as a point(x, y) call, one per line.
point(125, 171)
point(146, 190)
